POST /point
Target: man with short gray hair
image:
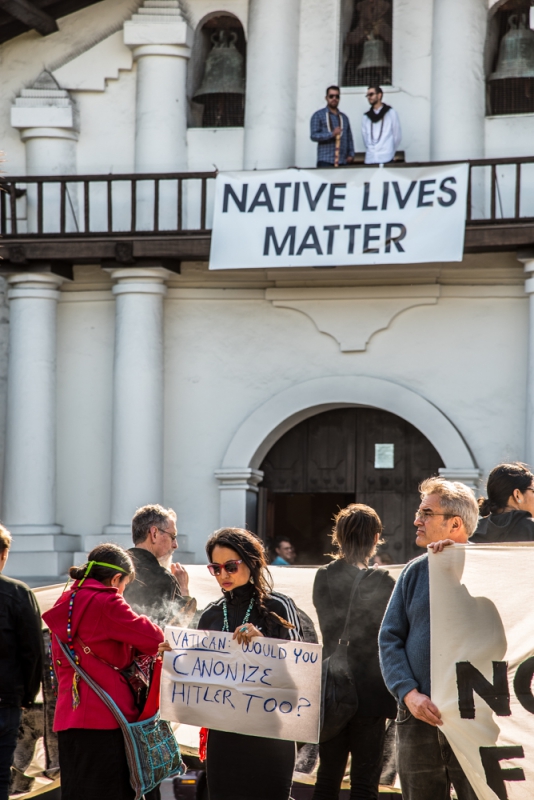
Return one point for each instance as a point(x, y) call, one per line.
point(160, 589)
point(447, 514)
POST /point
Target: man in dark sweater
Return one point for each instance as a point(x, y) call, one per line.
point(21, 659)
point(160, 589)
point(448, 513)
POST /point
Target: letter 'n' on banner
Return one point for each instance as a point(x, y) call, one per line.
point(482, 663)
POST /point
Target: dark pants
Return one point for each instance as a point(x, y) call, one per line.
point(324, 164)
point(363, 738)
point(9, 729)
point(427, 765)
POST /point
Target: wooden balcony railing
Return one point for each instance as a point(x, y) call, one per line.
point(85, 217)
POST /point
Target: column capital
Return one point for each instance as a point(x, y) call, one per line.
point(44, 285)
point(526, 257)
point(139, 280)
point(239, 479)
point(469, 476)
point(159, 22)
point(47, 107)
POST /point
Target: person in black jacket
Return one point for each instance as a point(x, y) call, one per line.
point(356, 534)
point(21, 659)
point(507, 513)
point(160, 589)
point(249, 607)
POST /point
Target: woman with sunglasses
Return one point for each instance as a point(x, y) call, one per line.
point(249, 608)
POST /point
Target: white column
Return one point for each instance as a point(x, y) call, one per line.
point(238, 493)
point(46, 116)
point(161, 42)
point(529, 289)
point(458, 85)
point(137, 447)
point(272, 61)
point(30, 471)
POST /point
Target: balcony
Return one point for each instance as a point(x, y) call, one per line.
point(124, 220)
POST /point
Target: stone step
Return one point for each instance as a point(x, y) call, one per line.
point(183, 556)
point(45, 542)
point(155, 11)
point(47, 564)
point(161, 4)
point(34, 581)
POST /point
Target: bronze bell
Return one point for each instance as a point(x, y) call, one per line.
point(516, 53)
point(224, 72)
point(374, 55)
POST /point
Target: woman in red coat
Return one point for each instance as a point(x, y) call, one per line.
point(105, 635)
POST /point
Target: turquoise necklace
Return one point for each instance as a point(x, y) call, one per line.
point(226, 627)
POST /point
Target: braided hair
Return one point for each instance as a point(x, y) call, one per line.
point(252, 551)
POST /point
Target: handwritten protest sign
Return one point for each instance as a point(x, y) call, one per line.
point(482, 654)
point(268, 687)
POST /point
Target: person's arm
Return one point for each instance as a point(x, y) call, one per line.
point(365, 131)
point(396, 128)
point(182, 578)
point(350, 143)
point(124, 625)
point(29, 637)
point(396, 670)
point(319, 130)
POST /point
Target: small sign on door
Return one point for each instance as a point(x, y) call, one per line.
point(384, 456)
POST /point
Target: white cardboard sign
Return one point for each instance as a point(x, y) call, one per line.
point(339, 217)
point(482, 655)
point(268, 688)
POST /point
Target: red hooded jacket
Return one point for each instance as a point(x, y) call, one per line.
point(104, 621)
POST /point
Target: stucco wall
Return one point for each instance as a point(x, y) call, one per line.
point(229, 353)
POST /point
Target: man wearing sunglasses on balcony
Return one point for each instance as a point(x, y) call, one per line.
point(330, 128)
point(160, 589)
point(381, 130)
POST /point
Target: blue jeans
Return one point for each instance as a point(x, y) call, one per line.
point(9, 731)
point(426, 763)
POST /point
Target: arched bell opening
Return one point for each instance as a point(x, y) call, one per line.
point(366, 33)
point(342, 456)
point(510, 60)
point(218, 73)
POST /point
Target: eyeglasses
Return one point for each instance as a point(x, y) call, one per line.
point(230, 567)
point(371, 94)
point(426, 514)
point(333, 97)
point(172, 535)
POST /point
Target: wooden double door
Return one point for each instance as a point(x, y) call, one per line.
point(338, 457)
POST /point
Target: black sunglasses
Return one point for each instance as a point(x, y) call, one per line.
point(230, 567)
point(333, 96)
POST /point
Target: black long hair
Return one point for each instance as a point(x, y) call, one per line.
point(251, 550)
point(109, 554)
point(502, 481)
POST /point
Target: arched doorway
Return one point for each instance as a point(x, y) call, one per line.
point(340, 456)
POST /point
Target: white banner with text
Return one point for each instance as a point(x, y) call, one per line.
point(339, 217)
point(482, 655)
point(268, 688)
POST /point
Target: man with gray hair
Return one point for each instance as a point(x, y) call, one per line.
point(160, 589)
point(447, 514)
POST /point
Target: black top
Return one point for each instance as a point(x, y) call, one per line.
point(155, 591)
point(331, 598)
point(512, 526)
point(21, 644)
point(238, 600)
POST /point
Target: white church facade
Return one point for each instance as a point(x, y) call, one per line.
point(131, 374)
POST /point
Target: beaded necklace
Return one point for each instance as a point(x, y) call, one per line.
point(75, 678)
point(226, 627)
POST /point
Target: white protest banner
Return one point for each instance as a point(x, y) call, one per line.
point(482, 655)
point(336, 217)
point(268, 688)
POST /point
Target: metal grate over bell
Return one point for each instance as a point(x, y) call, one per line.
point(511, 85)
point(223, 85)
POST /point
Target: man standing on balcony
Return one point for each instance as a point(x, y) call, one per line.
point(381, 131)
point(330, 128)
